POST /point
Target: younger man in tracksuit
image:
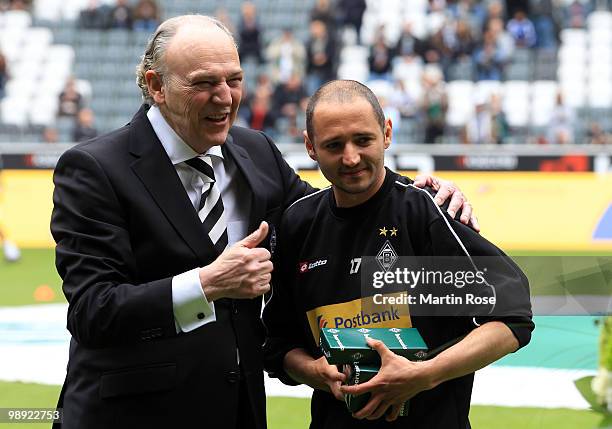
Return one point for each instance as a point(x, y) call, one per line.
point(370, 210)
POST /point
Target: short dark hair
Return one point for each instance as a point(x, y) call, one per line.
point(342, 91)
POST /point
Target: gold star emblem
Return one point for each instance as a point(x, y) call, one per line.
point(393, 231)
point(383, 231)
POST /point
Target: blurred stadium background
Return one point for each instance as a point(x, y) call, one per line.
point(511, 99)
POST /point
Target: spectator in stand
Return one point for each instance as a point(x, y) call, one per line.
point(323, 11)
point(95, 16)
point(495, 10)
point(472, 12)
point(575, 14)
point(320, 56)
point(462, 48)
point(263, 88)
point(289, 101)
point(84, 128)
point(436, 15)
point(249, 33)
point(287, 56)
point(50, 135)
point(501, 129)
point(70, 100)
point(146, 16)
point(351, 14)
point(439, 50)
point(391, 112)
point(561, 125)
point(260, 115)
point(503, 40)
point(4, 74)
point(121, 15)
point(522, 30)
point(546, 21)
point(222, 15)
point(402, 100)
point(408, 43)
point(489, 59)
point(596, 134)
point(20, 5)
point(479, 127)
point(434, 104)
point(381, 57)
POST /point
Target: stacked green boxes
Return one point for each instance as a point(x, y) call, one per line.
point(348, 347)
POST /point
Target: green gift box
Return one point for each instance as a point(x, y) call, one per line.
point(348, 345)
point(357, 374)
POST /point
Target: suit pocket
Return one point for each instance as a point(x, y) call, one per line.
point(136, 381)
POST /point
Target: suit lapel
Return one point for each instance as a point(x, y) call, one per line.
point(247, 168)
point(158, 175)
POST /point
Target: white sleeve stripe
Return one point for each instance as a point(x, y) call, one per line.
point(454, 235)
point(308, 196)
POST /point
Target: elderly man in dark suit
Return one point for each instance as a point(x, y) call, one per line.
point(152, 224)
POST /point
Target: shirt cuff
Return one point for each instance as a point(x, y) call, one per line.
point(189, 303)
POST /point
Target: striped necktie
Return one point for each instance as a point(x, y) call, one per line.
point(210, 209)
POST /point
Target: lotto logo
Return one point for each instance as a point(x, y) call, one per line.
point(304, 267)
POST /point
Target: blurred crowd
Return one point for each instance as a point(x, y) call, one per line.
point(484, 35)
point(144, 15)
point(480, 37)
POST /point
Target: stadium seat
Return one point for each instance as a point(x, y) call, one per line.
point(600, 93)
point(573, 37)
point(574, 92)
point(20, 87)
point(354, 54)
point(515, 103)
point(572, 54)
point(43, 110)
point(381, 88)
point(48, 10)
point(408, 71)
point(354, 71)
point(13, 111)
point(460, 103)
point(543, 99)
point(600, 37)
point(15, 19)
point(599, 19)
point(574, 72)
point(487, 88)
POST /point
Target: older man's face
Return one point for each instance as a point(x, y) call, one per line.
point(202, 87)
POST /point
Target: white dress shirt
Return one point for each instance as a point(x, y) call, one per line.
point(188, 298)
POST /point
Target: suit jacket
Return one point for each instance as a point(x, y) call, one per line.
point(124, 227)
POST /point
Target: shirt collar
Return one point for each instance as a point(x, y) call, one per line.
point(178, 151)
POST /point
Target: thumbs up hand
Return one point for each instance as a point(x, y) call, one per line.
point(256, 237)
point(242, 271)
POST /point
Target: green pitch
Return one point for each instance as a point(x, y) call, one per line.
point(19, 280)
point(284, 413)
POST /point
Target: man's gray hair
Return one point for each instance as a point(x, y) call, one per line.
point(153, 58)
